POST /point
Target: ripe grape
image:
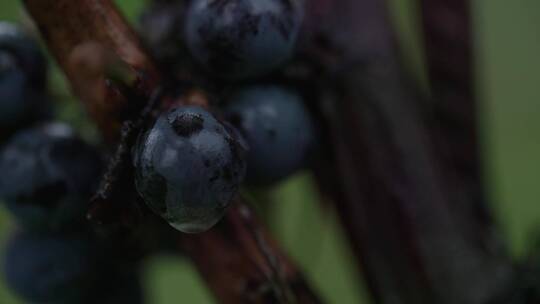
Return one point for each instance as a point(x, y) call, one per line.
point(26, 52)
point(22, 80)
point(159, 26)
point(277, 128)
point(242, 38)
point(15, 102)
point(48, 176)
point(188, 168)
point(43, 268)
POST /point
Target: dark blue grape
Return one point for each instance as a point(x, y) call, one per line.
point(242, 38)
point(159, 29)
point(22, 80)
point(188, 168)
point(14, 97)
point(48, 175)
point(26, 52)
point(45, 269)
point(277, 128)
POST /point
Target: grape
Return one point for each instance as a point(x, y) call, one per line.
point(15, 102)
point(44, 268)
point(242, 38)
point(159, 26)
point(26, 52)
point(22, 80)
point(277, 128)
point(48, 176)
point(188, 168)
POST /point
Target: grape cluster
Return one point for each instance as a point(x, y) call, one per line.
point(186, 163)
point(189, 163)
point(48, 177)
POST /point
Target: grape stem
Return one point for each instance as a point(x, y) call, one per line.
point(120, 167)
point(88, 36)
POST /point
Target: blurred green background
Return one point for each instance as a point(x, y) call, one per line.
point(508, 46)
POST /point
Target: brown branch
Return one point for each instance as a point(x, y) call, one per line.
point(241, 252)
point(392, 193)
point(70, 29)
point(238, 259)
